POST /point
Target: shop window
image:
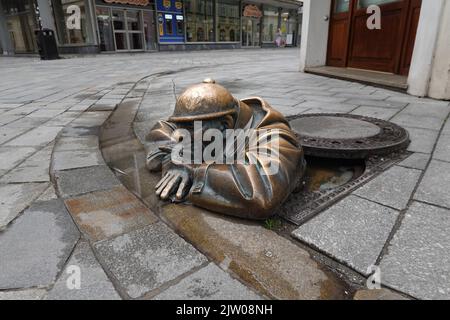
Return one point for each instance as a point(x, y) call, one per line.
point(228, 20)
point(21, 22)
point(288, 27)
point(180, 25)
point(169, 25)
point(66, 36)
point(199, 20)
point(270, 24)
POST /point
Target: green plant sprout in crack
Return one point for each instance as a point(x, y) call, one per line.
point(272, 223)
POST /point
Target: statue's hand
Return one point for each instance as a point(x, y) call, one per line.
point(175, 183)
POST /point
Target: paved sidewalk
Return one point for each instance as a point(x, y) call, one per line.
point(398, 221)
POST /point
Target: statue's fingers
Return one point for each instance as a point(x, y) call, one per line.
point(164, 184)
point(171, 185)
point(166, 176)
point(182, 188)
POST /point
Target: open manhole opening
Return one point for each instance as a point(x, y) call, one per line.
point(327, 181)
point(343, 152)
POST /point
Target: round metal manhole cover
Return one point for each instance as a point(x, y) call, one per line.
point(348, 136)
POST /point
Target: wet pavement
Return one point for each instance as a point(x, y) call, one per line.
point(94, 209)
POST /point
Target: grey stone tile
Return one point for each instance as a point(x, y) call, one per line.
point(411, 99)
point(145, 259)
point(27, 294)
point(434, 185)
point(331, 107)
point(429, 110)
point(36, 137)
point(353, 231)
point(392, 188)
point(208, 283)
point(422, 140)
point(374, 112)
point(49, 194)
point(33, 169)
point(416, 161)
point(79, 181)
point(94, 284)
point(408, 120)
point(64, 160)
point(442, 151)
point(77, 143)
point(15, 198)
point(418, 258)
point(377, 103)
point(11, 157)
point(8, 133)
point(109, 213)
point(35, 247)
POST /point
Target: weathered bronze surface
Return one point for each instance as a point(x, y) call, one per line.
point(243, 190)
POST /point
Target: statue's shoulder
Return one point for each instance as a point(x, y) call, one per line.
point(267, 113)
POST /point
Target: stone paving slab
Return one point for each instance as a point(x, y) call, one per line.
point(377, 103)
point(13, 156)
point(77, 143)
point(84, 180)
point(35, 247)
point(416, 161)
point(15, 198)
point(353, 231)
point(145, 259)
point(442, 151)
point(434, 185)
point(94, 284)
point(64, 160)
point(269, 263)
point(33, 169)
point(433, 111)
point(209, 283)
point(393, 188)
point(408, 120)
point(104, 214)
point(378, 294)
point(418, 258)
point(375, 112)
point(36, 137)
point(422, 140)
point(28, 294)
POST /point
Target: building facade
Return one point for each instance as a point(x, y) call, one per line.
point(146, 25)
point(413, 41)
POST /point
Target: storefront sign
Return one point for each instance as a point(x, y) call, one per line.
point(130, 2)
point(253, 11)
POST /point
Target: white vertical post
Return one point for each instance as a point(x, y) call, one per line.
point(424, 48)
point(314, 40)
point(440, 74)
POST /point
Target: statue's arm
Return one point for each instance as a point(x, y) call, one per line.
point(245, 190)
point(159, 142)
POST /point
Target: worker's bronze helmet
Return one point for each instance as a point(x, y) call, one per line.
point(204, 101)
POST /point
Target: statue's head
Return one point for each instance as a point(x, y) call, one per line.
point(207, 102)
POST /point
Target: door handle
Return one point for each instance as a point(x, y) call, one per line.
point(326, 18)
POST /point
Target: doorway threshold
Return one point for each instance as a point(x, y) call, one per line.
point(374, 78)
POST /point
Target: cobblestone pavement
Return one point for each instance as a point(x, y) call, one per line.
point(52, 218)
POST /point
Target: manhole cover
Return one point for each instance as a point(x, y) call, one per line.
point(348, 136)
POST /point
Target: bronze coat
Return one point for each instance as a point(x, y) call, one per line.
point(238, 189)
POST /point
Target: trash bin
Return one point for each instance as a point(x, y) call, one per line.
point(46, 42)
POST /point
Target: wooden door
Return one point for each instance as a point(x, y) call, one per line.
point(339, 33)
point(377, 49)
point(352, 44)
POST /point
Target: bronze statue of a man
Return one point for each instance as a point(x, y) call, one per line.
point(245, 189)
